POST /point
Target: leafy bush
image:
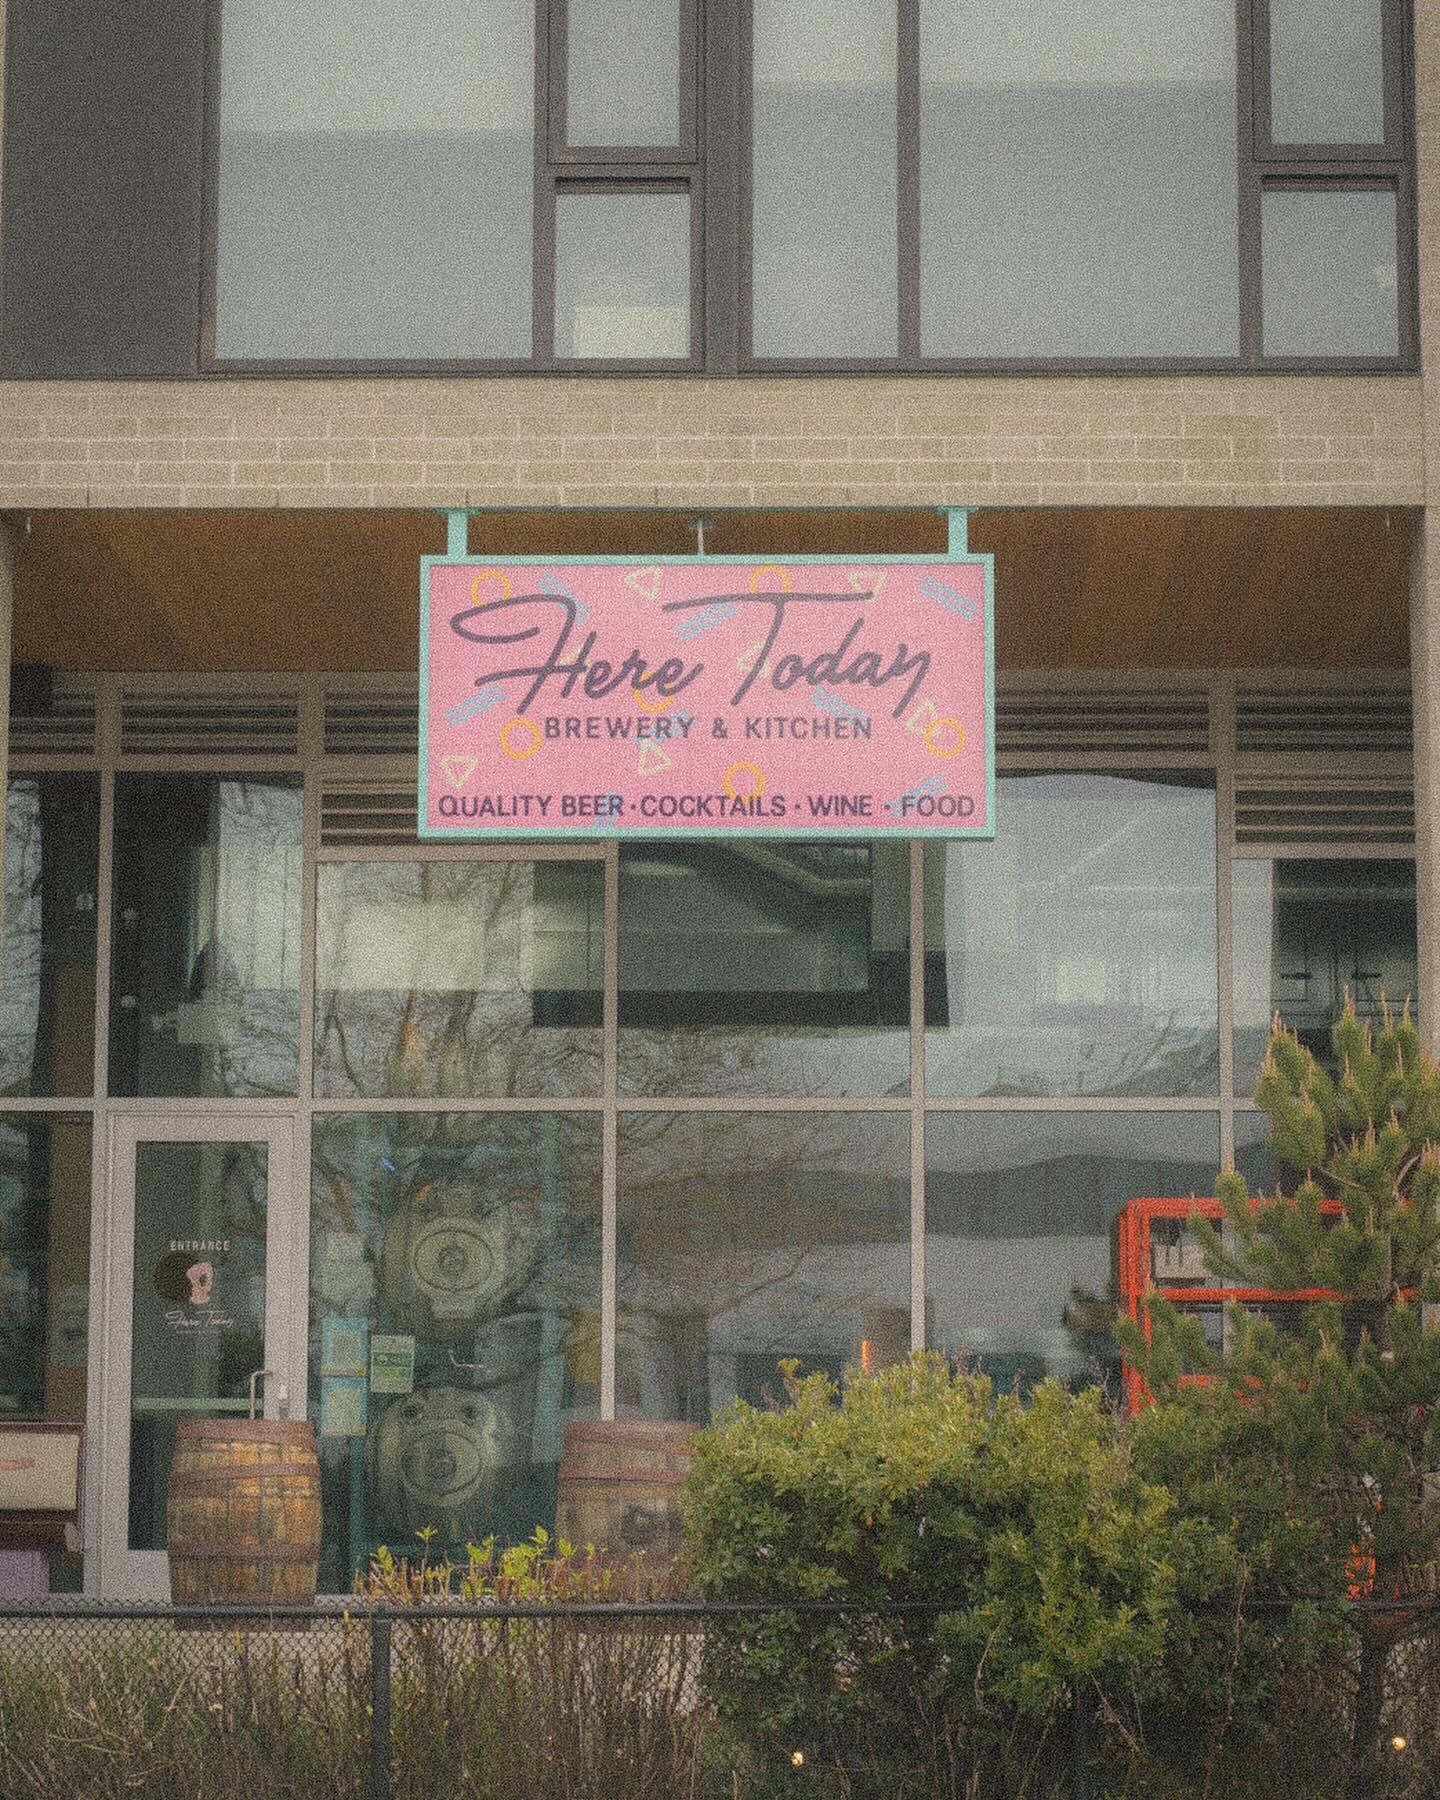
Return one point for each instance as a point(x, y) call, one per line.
point(919, 1484)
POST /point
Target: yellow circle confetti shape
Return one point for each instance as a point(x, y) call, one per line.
point(489, 575)
point(940, 723)
point(507, 731)
point(649, 706)
point(734, 769)
point(769, 569)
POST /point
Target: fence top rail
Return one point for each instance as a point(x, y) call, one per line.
point(340, 1609)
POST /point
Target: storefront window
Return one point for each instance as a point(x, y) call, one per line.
point(764, 968)
point(45, 1277)
point(1019, 1209)
point(458, 979)
point(1307, 933)
point(1076, 954)
point(454, 1323)
point(1078, 179)
point(205, 985)
point(748, 1238)
point(47, 961)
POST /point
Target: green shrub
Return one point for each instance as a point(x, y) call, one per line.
point(915, 1485)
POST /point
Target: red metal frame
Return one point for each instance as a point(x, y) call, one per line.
point(1131, 1246)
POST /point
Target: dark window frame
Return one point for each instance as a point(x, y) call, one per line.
point(716, 108)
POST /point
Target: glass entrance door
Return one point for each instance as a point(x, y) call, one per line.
point(205, 1287)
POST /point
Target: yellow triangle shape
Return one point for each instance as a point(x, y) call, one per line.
point(653, 759)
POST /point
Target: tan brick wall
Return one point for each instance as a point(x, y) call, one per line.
point(1204, 441)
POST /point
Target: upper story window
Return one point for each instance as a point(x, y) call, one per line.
point(727, 185)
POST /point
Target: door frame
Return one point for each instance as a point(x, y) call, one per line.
point(143, 1575)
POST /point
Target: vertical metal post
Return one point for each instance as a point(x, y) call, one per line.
point(380, 1746)
point(457, 533)
point(957, 530)
point(1080, 1745)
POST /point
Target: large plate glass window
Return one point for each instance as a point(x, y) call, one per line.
point(764, 969)
point(1307, 933)
point(745, 1239)
point(374, 195)
point(1076, 954)
point(47, 958)
point(458, 979)
point(205, 935)
point(1078, 179)
point(1019, 1209)
point(45, 1304)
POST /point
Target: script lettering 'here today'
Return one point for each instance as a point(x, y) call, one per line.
point(542, 620)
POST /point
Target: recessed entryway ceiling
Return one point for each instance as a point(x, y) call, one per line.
point(1112, 588)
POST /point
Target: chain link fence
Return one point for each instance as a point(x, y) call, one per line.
point(602, 1702)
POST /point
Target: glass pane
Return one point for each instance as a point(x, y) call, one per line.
point(1306, 933)
point(1329, 273)
point(1078, 178)
point(464, 1253)
point(748, 1238)
point(1076, 953)
point(823, 182)
point(47, 964)
point(764, 969)
point(45, 1277)
point(204, 995)
point(199, 1304)
point(622, 72)
point(1252, 1152)
point(1327, 72)
point(375, 183)
point(1019, 1209)
point(458, 979)
point(622, 275)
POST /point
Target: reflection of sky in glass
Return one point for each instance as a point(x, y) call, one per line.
point(458, 979)
point(1019, 1208)
point(1076, 953)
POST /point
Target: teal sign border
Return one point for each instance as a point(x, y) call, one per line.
point(957, 549)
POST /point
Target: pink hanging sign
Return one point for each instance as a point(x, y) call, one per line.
point(705, 699)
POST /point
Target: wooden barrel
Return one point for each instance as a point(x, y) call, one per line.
point(619, 1485)
point(243, 1514)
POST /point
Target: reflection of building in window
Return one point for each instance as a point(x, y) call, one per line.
point(1309, 931)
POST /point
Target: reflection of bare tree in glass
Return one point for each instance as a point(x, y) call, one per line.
point(430, 1026)
point(20, 988)
point(778, 1234)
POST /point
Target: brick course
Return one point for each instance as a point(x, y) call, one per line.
point(835, 440)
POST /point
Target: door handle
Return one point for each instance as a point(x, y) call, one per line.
point(282, 1393)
